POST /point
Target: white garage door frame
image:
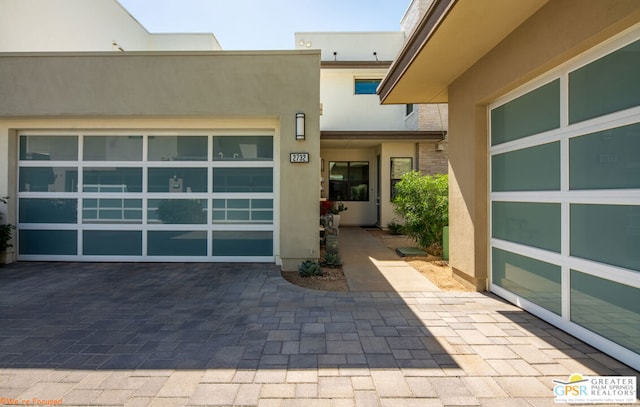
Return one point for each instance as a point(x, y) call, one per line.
point(526, 287)
point(250, 204)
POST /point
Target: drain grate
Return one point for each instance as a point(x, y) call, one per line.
point(410, 251)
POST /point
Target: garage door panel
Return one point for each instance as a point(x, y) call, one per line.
point(112, 179)
point(178, 148)
point(111, 211)
point(177, 180)
point(48, 148)
point(48, 242)
point(177, 243)
point(48, 179)
point(112, 242)
point(177, 211)
point(48, 210)
point(243, 180)
point(242, 148)
point(112, 148)
point(242, 243)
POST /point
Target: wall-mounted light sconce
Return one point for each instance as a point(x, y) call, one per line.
point(300, 126)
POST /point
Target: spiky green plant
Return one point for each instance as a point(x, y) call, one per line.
point(332, 260)
point(309, 268)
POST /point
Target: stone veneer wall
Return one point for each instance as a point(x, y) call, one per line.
point(433, 117)
point(430, 160)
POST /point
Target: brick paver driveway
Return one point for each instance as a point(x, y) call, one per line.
point(238, 334)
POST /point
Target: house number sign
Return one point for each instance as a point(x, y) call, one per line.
point(299, 158)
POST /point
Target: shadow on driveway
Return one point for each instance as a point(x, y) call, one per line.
point(199, 316)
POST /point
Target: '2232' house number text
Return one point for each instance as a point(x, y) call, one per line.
point(299, 158)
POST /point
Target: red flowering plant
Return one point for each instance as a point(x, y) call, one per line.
point(332, 207)
point(326, 207)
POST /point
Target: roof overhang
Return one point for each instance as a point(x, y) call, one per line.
point(450, 38)
point(367, 138)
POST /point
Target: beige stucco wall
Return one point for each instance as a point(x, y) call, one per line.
point(69, 25)
point(342, 109)
point(80, 25)
point(359, 213)
point(178, 90)
point(560, 30)
point(365, 213)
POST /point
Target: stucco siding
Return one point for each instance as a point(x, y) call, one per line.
point(342, 109)
point(217, 90)
point(80, 25)
point(222, 83)
point(557, 32)
point(359, 212)
point(69, 25)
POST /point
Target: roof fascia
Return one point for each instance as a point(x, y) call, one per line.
point(421, 35)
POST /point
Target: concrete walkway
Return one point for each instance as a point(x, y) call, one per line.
point(239, 334)
point(370, 266)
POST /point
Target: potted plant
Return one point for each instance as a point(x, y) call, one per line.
point(5, 236)
point(326, 207)
point(336, 209)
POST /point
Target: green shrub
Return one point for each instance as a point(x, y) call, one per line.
point(309, 268)
point(5, 232)
point(423, 204)
point(331, 260)
point(395, 228)
point(5, 236)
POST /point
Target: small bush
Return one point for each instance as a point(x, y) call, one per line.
point(309, 268)
point(5, 231)
point(395, 228)
point(331, 260)
point(423, 204)
point(5, 236)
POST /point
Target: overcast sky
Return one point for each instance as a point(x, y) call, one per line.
point(265, 24)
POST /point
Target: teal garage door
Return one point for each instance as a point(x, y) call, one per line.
point(146, 196)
